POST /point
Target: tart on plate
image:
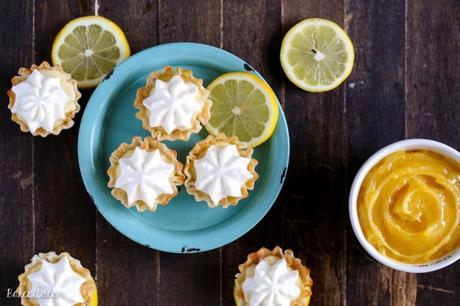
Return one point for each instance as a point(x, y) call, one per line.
point(173, 104)
point(220, 170)
point(43, 99)
point(56, 279)
point(144, 173)
point(272, 278)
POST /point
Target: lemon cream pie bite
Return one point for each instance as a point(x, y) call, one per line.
point(220, 170)
point(56, 280)
point(173, 104)
point(43, 99)
point(273, 278)
point(144, 173)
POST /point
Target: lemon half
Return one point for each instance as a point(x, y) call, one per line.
point(88, 48)
point(244, 106)
point(317, 55)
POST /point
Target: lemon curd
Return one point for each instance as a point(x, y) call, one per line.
point(409, 206)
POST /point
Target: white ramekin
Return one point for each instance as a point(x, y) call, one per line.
point(409, 144)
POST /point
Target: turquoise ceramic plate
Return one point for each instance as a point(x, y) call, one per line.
point(184, 225)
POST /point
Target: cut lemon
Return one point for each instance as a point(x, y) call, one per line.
point(317, 55)
point(244, 106)
point(88, 48)
point(94, 298)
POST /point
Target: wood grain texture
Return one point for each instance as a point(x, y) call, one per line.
point(64, 215)
point(65, 219)
point(194, 278)
point(252, 31)
point(124, 266)
point(16, 164)
point(315, 219)
point(190, 20)
point(433, 108)
point(433, 78)
point(375, 109)
point(138, 19)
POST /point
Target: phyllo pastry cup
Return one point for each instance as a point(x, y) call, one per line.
point(266, 271)
point(58, 278)
point(173, 104)
point(43, 99)
point(220, 170)
point(144, 173)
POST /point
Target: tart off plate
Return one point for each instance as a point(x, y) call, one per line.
point(184, 225)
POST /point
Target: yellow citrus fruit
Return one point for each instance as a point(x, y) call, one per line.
point(94, 298)
point(244, 106)
point(317, 55)
point(88, 48)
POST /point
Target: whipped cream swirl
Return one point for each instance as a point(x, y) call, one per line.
point(40, 101)
point(222, 172)
point(173, 104)
point(144, 176)
point(56, 284)
point(273, 284)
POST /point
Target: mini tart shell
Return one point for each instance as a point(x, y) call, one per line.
point(147, 144)
point(293, 262)
point(88, 289)
point(159, 132)
point(199, 151)
point(60, 125)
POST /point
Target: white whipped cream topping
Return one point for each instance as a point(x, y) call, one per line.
point(173, 104)
point(222, 172)
point(145, 175)
point(272, 284)
point(40, 101)
point(57, 279)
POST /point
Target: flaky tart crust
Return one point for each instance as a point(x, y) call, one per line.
point(148, 144)
point(199, 150)
point(293, 262)
point(143, 114)
point(88, 289)
point(66, 123)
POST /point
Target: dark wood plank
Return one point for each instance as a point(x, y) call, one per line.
point(252, 31)
point(189, 279)
point(65, 217)
point(433, 80)
point(433, 109)
point(192, 20)
point(314, 222)
point(127, 273)
point(375, 118)
point(123, 266)
point(138, 19)
point(16, 157)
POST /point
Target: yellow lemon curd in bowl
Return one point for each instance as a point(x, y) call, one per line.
point(409, 206)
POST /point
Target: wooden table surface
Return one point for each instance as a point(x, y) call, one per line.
point(405, 84)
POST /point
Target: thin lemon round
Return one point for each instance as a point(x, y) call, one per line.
point(244, 106)
point(317, 55)
point(94, 298)
point(88, 48)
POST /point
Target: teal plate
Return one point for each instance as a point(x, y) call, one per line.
point(184, 225)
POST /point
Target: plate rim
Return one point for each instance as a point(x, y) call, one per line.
point(84, 150)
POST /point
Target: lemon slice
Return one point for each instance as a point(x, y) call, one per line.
point(94, 298)
point(244, 106)
point(317, 55)
point(88, 48)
